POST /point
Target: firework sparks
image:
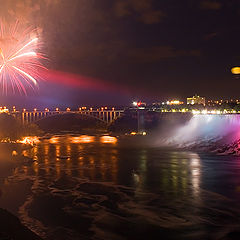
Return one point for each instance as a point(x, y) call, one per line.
point(19, 59)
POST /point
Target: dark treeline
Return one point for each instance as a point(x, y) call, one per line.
point(12, 128)
point(70, 122)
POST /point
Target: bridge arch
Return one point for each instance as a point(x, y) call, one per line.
point(106, 117)
point(69, 113)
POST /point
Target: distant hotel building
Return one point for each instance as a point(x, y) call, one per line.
point(196, 100)
point(174, 102)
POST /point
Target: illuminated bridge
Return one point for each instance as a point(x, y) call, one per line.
point(104, 115)
point(109, 115)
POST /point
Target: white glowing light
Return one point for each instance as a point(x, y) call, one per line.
point(134, 104)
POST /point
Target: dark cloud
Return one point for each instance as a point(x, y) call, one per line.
point(210, 36)
point(210, 5)
point(144, 10)
point(155, 54)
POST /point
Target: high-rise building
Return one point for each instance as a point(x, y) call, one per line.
point(196, 100)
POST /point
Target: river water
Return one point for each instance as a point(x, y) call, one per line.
point(92, 187)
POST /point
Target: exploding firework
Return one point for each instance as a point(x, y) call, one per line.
point(19, 59)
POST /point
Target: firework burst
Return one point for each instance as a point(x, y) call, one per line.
point(19, 59)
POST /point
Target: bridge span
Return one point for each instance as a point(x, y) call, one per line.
point(108, 115)
point(103, 115)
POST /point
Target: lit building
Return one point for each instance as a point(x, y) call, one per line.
point(196, 100)
point(172, 102)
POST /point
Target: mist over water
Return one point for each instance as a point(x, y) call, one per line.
point(202, 129)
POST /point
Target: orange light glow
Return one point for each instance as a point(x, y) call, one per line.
point(235, 70)
point(174, 102)
point(83, 139)
point(54, 140)
point(14, 153)
point(29, 140)
point(108, 139)
point(4, 110)
point(133, 133)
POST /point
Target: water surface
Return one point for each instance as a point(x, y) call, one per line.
point(91, 187)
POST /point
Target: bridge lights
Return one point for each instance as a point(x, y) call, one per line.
point(24, 110)
point(106, 108)
point(91, 109)
point(46, 110)
point(113, 109)
point(79, 109)
point(57, 109)
point(68, 109)
point(102, 108)
point(34, 109)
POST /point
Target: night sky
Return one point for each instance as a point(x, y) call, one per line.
point(135, 49)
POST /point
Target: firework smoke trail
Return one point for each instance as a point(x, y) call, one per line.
point(19, 59)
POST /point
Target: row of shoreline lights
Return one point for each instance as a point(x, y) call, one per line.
point(194, 111)
point(205, 111)
point(217, 112)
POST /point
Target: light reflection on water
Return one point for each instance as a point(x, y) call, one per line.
point(59, 156)
point(63, 155)
point(95, 176)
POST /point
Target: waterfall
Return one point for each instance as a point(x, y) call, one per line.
point(206, 128)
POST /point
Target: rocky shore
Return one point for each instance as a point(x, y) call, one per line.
point(12, 229)
point(229, 149)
